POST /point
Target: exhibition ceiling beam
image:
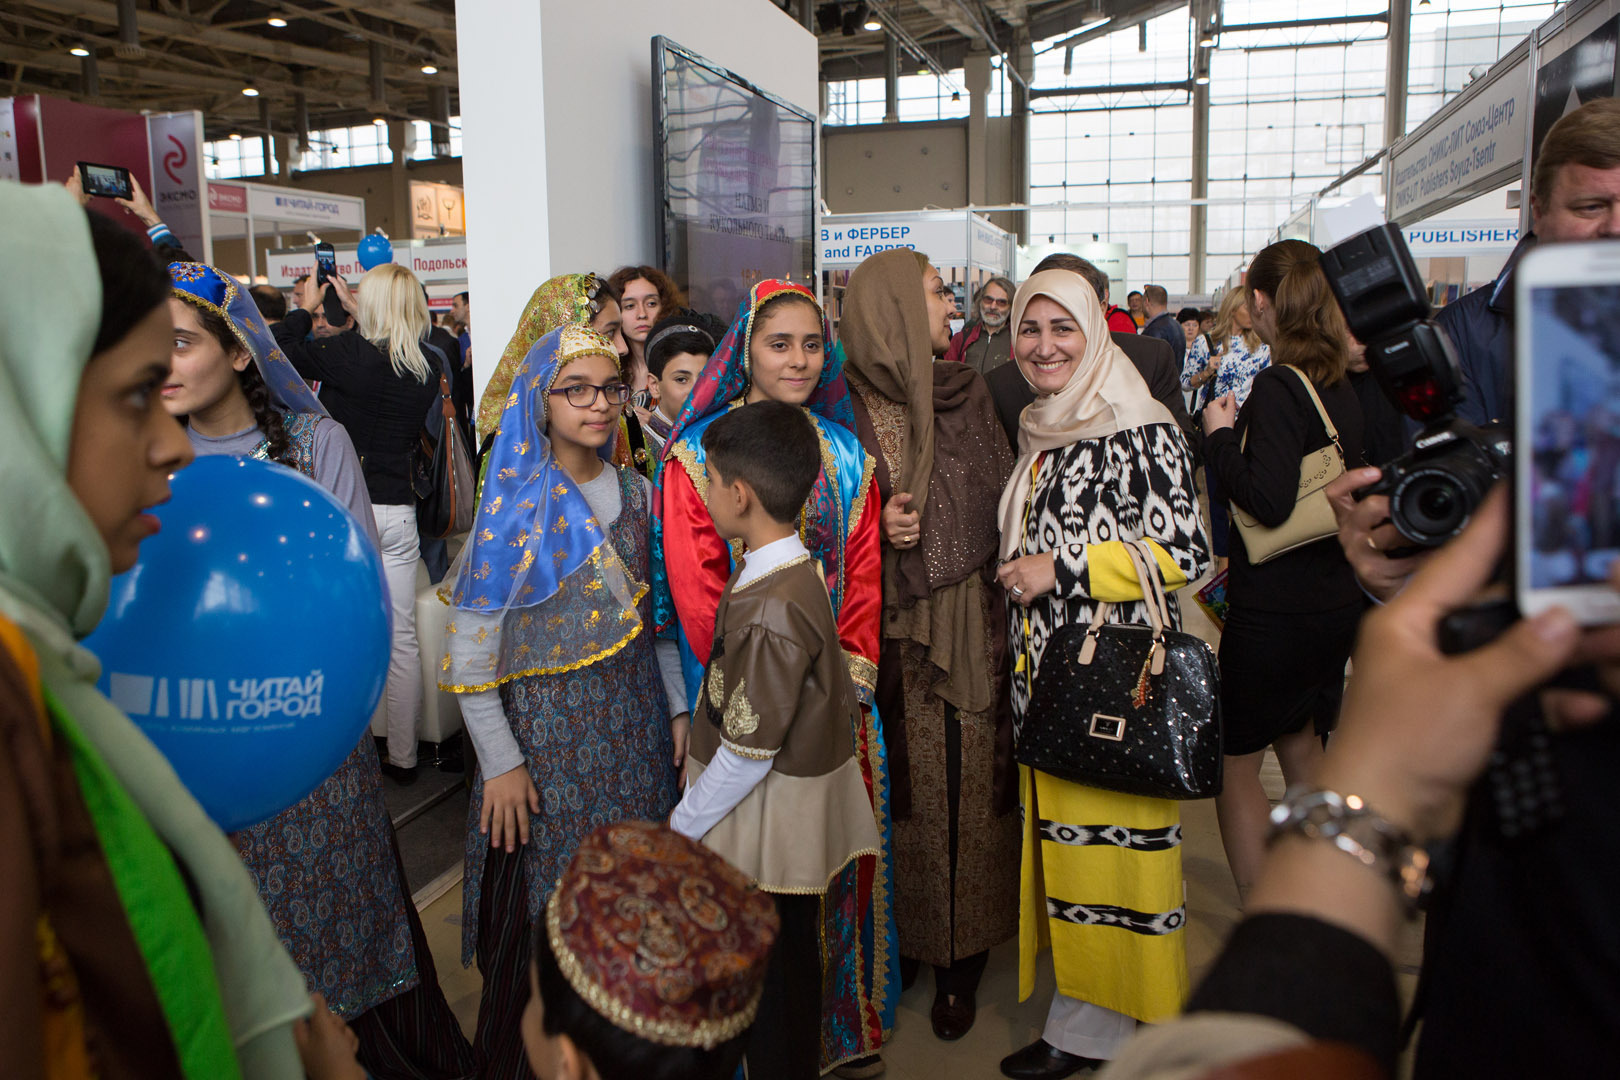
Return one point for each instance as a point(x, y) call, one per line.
point(143, 74)
point(413, 15)
point(951, 14)
point(861, 55)
point(1136, 16)
point(1011, 12)
point(200, 33)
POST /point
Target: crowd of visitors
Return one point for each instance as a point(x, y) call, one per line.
point(747, 636)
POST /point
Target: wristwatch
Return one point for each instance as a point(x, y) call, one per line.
point(1346, 822)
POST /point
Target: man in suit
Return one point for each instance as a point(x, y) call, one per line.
point(1151, 356)
point(1161, 321)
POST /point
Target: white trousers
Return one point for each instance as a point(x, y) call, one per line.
point(1079, 1027)
point(402, 700)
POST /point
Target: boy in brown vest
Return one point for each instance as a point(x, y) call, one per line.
point(773, 784)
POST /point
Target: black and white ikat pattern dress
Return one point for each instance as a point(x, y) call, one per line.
point(1134, 484)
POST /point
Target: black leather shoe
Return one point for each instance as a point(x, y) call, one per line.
point(861, 1068)
point(1040, 1060)
point(399, 775)
point(953, 1020)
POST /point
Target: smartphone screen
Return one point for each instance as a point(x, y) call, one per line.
point(105, 181)
point(1569, 430)
point(325, 263)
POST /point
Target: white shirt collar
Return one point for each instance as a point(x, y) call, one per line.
point(757, 564)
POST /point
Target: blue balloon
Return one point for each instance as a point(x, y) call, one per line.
point(251, 641)
point(374, 250)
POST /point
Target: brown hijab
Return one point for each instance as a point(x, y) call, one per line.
point(887, 344)
point(954, 461)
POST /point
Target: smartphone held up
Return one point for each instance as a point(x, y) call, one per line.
point(105, 181)
point(1567, 405)
point(325, 270)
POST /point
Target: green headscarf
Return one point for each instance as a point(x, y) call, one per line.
point(55, 574)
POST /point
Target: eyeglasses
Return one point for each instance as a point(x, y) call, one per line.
point(583, 395)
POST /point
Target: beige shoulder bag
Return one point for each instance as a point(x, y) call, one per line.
point(1312, 519)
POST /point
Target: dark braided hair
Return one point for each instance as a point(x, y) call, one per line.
point(265, 414)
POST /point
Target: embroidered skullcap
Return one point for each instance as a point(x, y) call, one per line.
point(661, 936)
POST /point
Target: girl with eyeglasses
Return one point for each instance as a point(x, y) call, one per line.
point(578, 720)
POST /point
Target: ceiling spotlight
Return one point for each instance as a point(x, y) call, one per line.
point(236, 136)
point(277, 21)
point(956, 95)
point(1202, 80)
point(1207, 41)
point(78, 50)
point(870, 21)
point(429, 69)
point(379, 121)
point(922, 71)
point(250, 91)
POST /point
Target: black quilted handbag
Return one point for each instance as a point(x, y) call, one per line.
point(1128, 708)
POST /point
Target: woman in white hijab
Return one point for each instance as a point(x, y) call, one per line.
point(1100, 463)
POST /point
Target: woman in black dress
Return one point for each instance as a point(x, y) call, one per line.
point(1293, 618)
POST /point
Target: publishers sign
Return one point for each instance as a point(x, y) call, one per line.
point(1465, 151)
point(267, 203)
point(433, 264)
point(177, 178)
point(227, 198)
point(949, 238)
point(1439, 239)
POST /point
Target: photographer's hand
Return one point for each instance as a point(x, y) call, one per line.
point(1416, 729)
point(139, 205)
point(75, 187)
point(344, 295)
point(314, 295)
point(1365, 534)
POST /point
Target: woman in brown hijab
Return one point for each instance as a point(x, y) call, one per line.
point(942, 461)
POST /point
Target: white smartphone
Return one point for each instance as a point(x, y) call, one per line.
point(1567, 438)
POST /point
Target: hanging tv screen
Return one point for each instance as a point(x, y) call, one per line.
point(737, 181)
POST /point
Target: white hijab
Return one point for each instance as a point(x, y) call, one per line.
point(1104, 394)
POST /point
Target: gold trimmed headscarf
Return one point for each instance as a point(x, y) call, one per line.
point(537, 557)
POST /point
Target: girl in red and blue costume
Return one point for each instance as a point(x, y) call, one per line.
point(691, 565)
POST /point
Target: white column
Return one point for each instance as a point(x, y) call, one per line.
point(503, 168)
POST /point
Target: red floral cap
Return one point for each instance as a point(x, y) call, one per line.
point(661, 936)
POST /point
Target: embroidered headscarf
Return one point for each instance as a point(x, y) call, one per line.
point(214, 290)
point(569, 298)
point(727, 375)
point(537, 557)
point(724, 380)
point(1104, 394)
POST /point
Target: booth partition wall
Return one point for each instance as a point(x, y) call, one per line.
point(1296, 97)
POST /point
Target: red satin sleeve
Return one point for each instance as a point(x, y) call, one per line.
point(858, 621)
point(696, 559)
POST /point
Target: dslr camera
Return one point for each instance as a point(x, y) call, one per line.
point(1435, 487)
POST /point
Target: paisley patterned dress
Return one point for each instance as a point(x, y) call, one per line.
point(325, 866)
point(596, 742)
